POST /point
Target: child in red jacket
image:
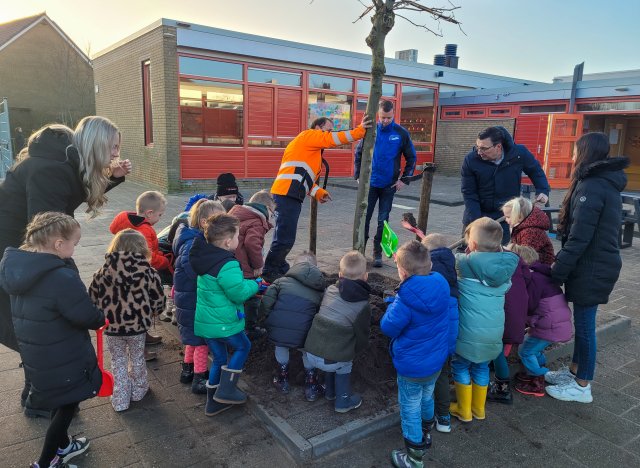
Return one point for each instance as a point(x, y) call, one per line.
point(529, 226)
point(150, 207)
point(256, 219)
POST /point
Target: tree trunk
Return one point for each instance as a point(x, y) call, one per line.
point(313, 226)
point(425, 196)
point(382, 20)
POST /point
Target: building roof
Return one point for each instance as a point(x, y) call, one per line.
point(611, 75)
point(13, 30)
point(195, 36)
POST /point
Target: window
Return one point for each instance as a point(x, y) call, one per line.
point(257, 75)
point(146, 103)
point(609, 106)
point(388, 89)
point(211, 112)
point(475, 113)
point(336, 107)
point(500, 112)
point(210, 68)
point(333, 83)
point(451, 114)
point(274, 118)
point(543, 109)
point(418, 113)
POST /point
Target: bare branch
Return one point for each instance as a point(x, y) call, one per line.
point(438, 14)
point(439, 33)
point(365, 13)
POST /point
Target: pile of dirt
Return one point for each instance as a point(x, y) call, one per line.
point(373, 373)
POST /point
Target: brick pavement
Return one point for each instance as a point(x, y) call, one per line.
point(169, 428)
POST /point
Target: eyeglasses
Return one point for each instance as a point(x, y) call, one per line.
point(480, 149)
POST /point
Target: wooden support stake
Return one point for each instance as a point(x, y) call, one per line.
point(425, 196)
point(313, 226)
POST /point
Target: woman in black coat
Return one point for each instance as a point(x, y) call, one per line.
point(58, 171)
point(589, 262)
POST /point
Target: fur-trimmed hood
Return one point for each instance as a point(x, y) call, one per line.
point(610, 169)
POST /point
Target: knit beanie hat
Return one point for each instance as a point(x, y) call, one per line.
point(226, 184)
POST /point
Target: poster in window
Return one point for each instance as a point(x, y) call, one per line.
point(339, 113)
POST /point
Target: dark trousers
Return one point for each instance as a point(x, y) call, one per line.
point(284, 235)
point(251, 311)
point(441, 393)
point(57, 434)
point(384, 198)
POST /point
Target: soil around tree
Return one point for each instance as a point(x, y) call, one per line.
point(373, 375)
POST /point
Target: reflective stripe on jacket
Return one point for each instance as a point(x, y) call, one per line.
point(302, 161)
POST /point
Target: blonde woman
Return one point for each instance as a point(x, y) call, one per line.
point(58, 171)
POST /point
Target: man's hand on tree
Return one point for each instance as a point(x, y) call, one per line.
point(325, 198)
point(542, 199)
point(366, 121)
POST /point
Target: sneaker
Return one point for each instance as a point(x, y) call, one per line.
point(377, 261)
point(75, 448)
point(55, 463)
point(559, 377)
point(166, 316)
point(523, 377)
point(534, 387)
point(443, 423)
point(571, 391)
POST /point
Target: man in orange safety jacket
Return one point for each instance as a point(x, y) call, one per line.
point(297, 177)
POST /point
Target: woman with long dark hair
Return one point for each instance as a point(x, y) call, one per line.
point(589, 262)
point(58, 170)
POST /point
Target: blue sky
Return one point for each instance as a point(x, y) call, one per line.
point(531, 39)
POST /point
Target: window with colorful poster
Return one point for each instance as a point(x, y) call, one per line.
point(336, 107)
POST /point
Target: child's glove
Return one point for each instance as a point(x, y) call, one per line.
point(389, 296)
point(262, 285)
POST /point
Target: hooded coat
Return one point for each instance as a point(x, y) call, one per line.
point(487, 186)
point(52, 327)
point(533, 231)
point(47, 180)
point(418, 324)
point(549, 313)
point(483, 279)
point(290, 304)
point(254, 224)
point(444, 262)
point(128, 291)
point(185, 284)
point(516, 303)
point(589, 262)
point(221, 291)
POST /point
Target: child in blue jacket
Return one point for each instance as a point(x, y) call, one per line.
point(444, 262)
point(418, 324)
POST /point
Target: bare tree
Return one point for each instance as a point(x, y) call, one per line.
point(383, 14)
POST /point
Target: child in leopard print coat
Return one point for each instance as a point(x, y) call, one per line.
point(129, 291)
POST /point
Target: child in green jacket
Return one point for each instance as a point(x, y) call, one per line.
point(221, 293)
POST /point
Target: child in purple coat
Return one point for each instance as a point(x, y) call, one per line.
point(549, 322)
point(515, 319)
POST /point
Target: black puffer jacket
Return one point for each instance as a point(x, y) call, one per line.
point(291, 302)
point(589, 262)
point(47, 180)
point(51, 315)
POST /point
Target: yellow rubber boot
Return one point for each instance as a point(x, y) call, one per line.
point(478, 400)
point(462, 408)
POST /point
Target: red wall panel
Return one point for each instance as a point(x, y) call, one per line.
point(202, 162)
point(289, 110)
point(260, 115)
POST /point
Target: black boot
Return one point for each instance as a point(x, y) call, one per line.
point(427, 426)
point(500, 392)
point(186, 376)
point(281, 380)
point(345, 400)
point(213, 407)
point(29, 410)
point(227, 391)
point(312, 389)
point(411, 457)
point(198, 386)
point(330, 386)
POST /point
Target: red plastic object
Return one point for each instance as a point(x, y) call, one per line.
point(106, 389)
point(415, 230)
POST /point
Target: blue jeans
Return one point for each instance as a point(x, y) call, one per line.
point(415, 397)
point(384, 198)
point(464, 371)
point(284, 235)
point(584, 350)
point(532, 355)
point(218, 346)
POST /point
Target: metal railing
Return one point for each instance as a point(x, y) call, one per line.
point(6, 151)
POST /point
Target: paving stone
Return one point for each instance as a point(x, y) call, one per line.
point(97, 421)
point(614, 359)
point(173, 449)
point(10, 361)
point(153, 420)
point(10, 402)
point(632, 389)
point(596, 452)
point(109, 450)
point(11, 379)
point(633, 415)
point(23, 453)
point(611, 400)
point(21, 429)
point(612, 378)
point(634, 446)
point(632, 368)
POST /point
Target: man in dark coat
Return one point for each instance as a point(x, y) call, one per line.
point(491, 175)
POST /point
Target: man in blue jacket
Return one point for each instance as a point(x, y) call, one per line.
point(392, 141)
point(491, 175)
